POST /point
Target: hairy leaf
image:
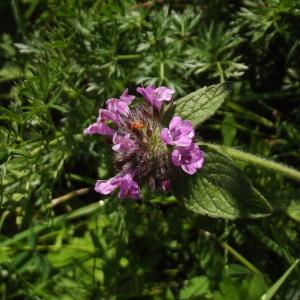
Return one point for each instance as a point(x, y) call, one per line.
point(201, 104)
point(220, 189)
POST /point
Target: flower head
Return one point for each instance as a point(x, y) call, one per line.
point(145, 151)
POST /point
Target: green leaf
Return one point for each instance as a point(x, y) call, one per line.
point(194, 287)
point(201, 104)
point(220, 189)
point(253, 286)
point(228, 291)
point(5, 256)
point(293, 211)
point(9, 73)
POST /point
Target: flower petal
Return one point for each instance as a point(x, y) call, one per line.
point(99, 128)
point(147, 93)
point(164, 94)
point(105, 187)
point(129, 188)
point(155, 96)
point(183, 141)
point(106, 115)
point(125, 97)
point(123, 143)
point(176, 158)
point(175, 122)
point(190, 169)
point(165, 135)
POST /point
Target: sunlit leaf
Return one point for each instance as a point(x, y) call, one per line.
point(201, 104)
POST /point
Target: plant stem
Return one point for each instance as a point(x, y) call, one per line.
point(51, 248)
point(162, 70)
point(128, 56)
point(69, 196)
point(222, 79)
point(259, 161)
point(232, 251)
point(240, 258)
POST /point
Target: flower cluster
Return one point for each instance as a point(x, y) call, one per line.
point(145, 151)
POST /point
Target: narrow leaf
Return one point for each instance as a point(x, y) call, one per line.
point(201, 104)
point(220, 190)
point(272, 291)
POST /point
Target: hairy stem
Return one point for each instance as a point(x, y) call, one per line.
point(259, 161)
point(240, 258)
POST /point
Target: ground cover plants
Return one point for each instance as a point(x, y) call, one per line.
point(225, 228)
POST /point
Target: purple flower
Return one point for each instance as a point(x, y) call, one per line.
point(188, 158)
point(156, 96)
point(127, 98)
point(105, 187)
point(128, 187)
point(99, 128)
point(106, 115)
point(117, 107)
point(123, 143)
point(180, 133)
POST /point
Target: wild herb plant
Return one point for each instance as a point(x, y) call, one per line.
point(60, 61)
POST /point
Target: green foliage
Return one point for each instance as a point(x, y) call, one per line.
point(194, 288)
point(59, 62)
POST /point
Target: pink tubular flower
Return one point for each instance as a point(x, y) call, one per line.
point(188, 158)
point(128, 187)
point(180, 133)
point(156, 96)
point(99, 128)
point(105, 187)
point(123, 143)
point(115, 109)
point(106, 115)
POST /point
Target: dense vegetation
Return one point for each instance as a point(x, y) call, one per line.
point(59, 62)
